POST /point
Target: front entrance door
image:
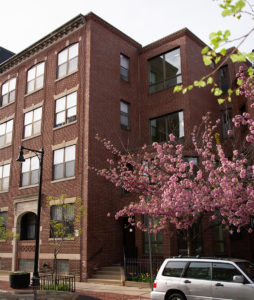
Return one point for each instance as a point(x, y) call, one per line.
point(129, 239)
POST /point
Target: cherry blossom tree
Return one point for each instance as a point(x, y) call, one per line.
point(174, 191)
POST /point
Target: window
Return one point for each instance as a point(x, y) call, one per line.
point(124, 67)
point(62, 266)
point(4, 177)
point(174, 268)
point(161, 127)
point(124, 115)
point(219, 238)
point(164, 70)
point(32, 122)
point(6, 133)
point(3, 218)
point(62, 221)
point(227, 124)
point(68, 61)
point(30, 171)
point(27, 226)
point(66, 109)
point(224, 272)
point(8, 92)
point(26, 264)
point(156, 241)
point(35, 78)
point(64, 162)
point(199, 270)
point(223, 79)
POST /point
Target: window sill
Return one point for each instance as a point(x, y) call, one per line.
point(67, 75)
point(125, 128)
point(59, 239)
point(30, 137)
point(65, 125)
point(5, 146)
point(5, 191)
point(35, 91)
point(28, 186)
point(63, 179)
point(6, 105)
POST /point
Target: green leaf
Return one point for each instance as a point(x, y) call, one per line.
point(204, 50)
point(221, 100)
point(207, 60)
point(217, 92)
point(237, 92)
point(230, 92)
point(177, 88)
point(190, 87)
point(238, 57)
point(217, 59)
point(184, 91)
point(210, 80)
point(223, 51)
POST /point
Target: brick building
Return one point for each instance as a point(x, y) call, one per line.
point(84, 78)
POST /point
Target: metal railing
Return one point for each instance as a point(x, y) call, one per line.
point(57, 283)
point(138, 268)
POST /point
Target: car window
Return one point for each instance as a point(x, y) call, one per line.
point(248, 268)
point(224, 272)
point(199, 270)
point(174, 268)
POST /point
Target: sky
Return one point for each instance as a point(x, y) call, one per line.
point(23, 22)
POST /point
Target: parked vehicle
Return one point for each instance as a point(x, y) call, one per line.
point(204, 278)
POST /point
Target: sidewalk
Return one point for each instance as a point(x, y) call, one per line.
point(102, 291)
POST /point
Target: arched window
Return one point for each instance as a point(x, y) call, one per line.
point(27, 230)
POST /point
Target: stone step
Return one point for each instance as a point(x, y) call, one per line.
point(103, 272)
point(107, 276)
point(104, 281)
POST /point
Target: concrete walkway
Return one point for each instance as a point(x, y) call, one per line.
point(102, 291)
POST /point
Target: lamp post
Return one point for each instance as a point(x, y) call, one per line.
point(39, 154)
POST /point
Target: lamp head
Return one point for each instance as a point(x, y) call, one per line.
point(21, 156)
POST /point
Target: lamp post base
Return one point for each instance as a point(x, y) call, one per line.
point(35, 281)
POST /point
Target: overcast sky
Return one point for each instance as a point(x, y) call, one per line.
point(23, 22)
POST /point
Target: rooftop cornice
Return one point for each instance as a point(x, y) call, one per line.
point(94, 17)
point(43, 43)
point(174, 36)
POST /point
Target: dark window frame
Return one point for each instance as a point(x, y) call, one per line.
point(159, 85)
point(124, 72)
point(125, 114)
point(223, 74)
point(227, 123)
point(166, 128)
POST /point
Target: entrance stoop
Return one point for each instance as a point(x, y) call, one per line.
point(108, 275)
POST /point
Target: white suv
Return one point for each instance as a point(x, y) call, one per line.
point(204, 279)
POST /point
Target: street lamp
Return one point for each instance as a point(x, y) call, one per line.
point(39, 154)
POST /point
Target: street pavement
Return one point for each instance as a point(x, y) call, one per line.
point(102, 291)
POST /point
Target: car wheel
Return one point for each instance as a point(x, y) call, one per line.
point(176, 296)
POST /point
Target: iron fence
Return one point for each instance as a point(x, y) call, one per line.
point(139, 268)
point(57, 283)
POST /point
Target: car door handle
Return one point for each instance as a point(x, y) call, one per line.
point(187, 281)
point(219, 284)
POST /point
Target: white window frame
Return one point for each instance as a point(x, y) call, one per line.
point(29, 166)
point(8, 92)
point(33, 123)
point(63, 159)
point(66, 110)
point(6, 129)
point(35, 78)
point(5, 176)
point(65, 58)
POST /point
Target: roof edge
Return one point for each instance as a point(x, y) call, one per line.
point(43, 43)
